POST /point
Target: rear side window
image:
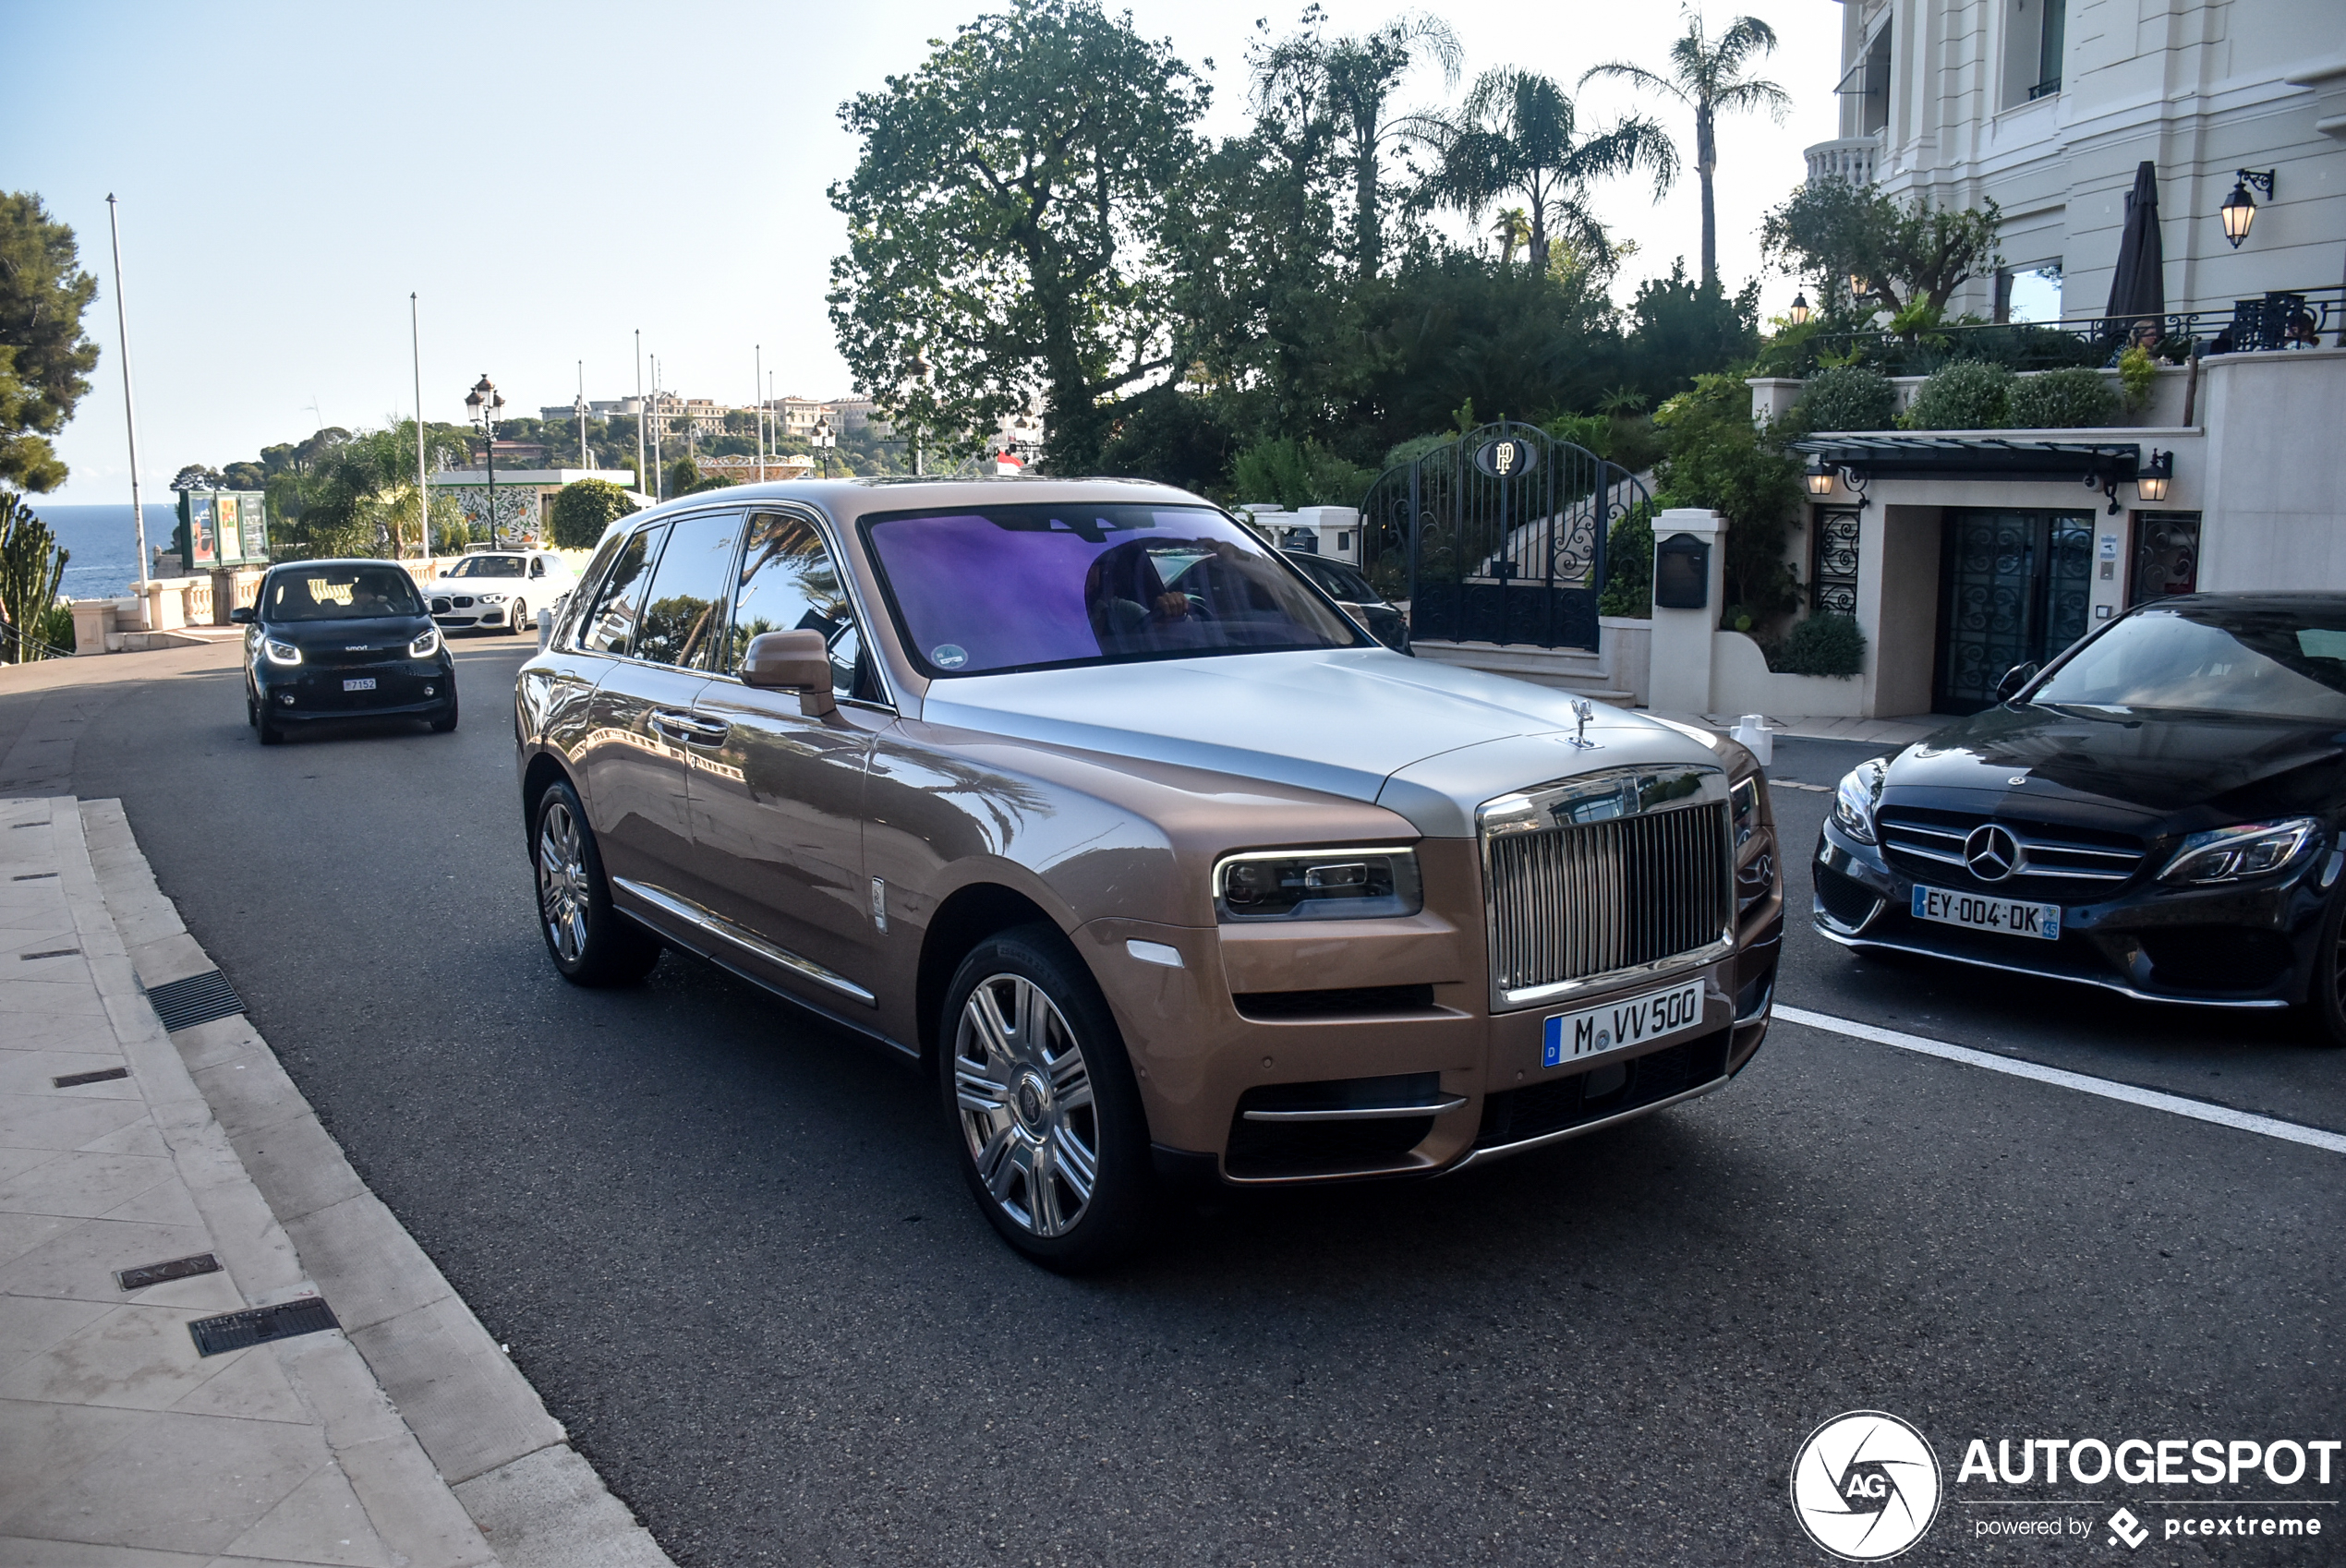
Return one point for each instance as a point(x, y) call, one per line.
point(611, 625)
point(685, 614)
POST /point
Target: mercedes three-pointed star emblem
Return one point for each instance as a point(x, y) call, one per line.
point(1991, 852)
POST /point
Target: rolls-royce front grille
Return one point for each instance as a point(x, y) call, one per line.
point(1595, 898)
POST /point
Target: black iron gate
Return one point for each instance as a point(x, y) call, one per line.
point(1498, 537)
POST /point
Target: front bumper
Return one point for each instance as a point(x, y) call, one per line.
point(1420, 1081)
point(2243, 946)
point(402, 687)
point(474, 615)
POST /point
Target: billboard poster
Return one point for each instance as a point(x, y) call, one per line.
point(202, 538)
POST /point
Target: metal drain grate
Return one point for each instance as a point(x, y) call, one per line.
point(103, 1075)
point(237, 1330)
point(52, 953)
point(200, 998)
point(158, 1274)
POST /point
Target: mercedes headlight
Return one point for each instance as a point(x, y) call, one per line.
point(1852, 803)
point(425, 646)
point(1317, 884)
point(2228, 854)
point(281, 652)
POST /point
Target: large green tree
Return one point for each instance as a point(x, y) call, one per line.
point(1007, 224)
point(44, 359)
point(1711, 78)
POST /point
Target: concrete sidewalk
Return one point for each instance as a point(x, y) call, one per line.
point(400, 1437)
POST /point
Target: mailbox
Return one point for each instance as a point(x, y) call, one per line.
point(1681, 572)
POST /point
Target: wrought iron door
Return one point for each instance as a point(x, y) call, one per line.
point(1498, 537)
point(2014, 589)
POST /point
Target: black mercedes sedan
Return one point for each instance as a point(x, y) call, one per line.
point(342, 639)
point(2161, 813)
point(1346, 585)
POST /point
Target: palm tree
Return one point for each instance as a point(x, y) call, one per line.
point(1709, 77)
point(1513, 226)
point(1361, 75)
point(1516, 135)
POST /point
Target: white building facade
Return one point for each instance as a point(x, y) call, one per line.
point(1962, 553)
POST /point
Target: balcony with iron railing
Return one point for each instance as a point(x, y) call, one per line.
point(1853, 158)
point(2281, 318)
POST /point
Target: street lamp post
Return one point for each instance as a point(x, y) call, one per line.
point(822, 440)
point(485, 403)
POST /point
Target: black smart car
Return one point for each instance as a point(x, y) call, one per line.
point(342, 639)
point(2160, 812)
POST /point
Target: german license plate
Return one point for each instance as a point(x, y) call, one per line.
point(364, 684)
point(2008, 917)
point(1657, 1015)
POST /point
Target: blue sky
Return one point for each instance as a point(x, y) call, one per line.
point(288, 173)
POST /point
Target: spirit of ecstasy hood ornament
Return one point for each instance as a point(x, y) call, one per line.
point(1583, 711)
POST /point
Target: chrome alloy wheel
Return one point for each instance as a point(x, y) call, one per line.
point(1025, 1094)
point(562, 882)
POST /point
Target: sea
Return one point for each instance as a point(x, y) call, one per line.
point(101, 547)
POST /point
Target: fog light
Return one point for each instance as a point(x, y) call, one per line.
point(285, 697)
point(430, 691)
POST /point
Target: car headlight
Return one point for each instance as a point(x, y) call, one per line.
point(1852, 803)
point(1317, 884)
point(2252, 848)
point(1745, 797)
point(490, 599)
point(280, 652)
point(425, 646)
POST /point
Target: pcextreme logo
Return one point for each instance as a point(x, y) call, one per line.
point(1865, 1486)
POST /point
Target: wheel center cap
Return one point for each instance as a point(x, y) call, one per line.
point(1032, 1100)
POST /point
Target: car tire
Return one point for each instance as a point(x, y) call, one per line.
point(2324, 1009)
point(591, 942)
point(446, 721)
point(253, 713)
point(269, 733)
point(514, 618)
point(1045, 1112)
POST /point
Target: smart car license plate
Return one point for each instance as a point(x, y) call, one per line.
point(2009, 917)
point(1657, 1015)
point(364, 684)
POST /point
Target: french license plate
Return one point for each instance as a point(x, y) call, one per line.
point(2009, 917)
point(364, 684)
point(1575, 1037)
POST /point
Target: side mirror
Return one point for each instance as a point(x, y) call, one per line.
point(792, 661)
point(240, 616)
point(2018, 676)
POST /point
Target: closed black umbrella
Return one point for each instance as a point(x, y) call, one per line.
point(2138, 287)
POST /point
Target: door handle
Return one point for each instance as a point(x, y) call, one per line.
point(684, 727)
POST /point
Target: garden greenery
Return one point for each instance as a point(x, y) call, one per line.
point(1967, 396)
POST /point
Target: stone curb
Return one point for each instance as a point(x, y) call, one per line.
point(282, 1200)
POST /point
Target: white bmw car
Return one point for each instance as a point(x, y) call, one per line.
point(498, 590)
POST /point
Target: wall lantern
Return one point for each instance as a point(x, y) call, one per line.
point(1799, 311)
point(2240, 208)
point(1681, 572)
point(1820, 477)
point(2151, 479)
point(1859, 286)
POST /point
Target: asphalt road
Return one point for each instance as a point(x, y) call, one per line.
point(731, 1251)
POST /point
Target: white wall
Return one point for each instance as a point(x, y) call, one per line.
point(2199, 87)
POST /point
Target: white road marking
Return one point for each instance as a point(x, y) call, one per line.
point(2174, 1105)
point(1796, 784)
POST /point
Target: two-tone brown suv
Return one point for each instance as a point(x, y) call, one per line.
point(1077, 793)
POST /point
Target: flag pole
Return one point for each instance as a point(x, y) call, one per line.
point(423, 492)
point(129, 404)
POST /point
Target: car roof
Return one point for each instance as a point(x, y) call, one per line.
point(846, 500)
point(336, 561)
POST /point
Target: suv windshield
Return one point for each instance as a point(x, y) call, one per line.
point(1043, 585)
point(338, 592)
point(2248, 659)
point(487, 566)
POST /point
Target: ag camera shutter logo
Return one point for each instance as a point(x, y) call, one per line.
point(1865, 1486)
